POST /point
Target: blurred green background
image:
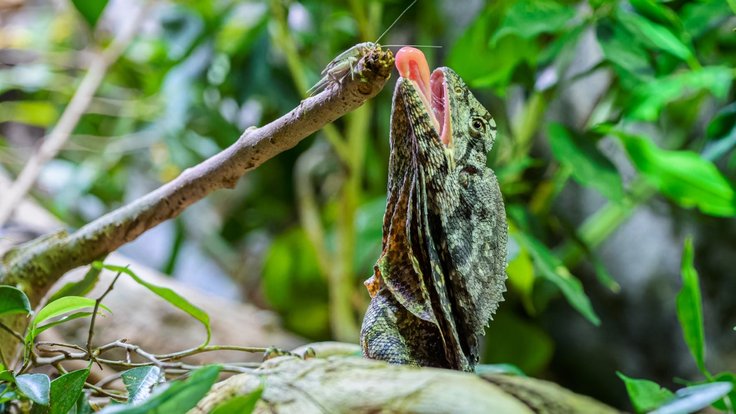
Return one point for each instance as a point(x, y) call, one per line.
point(616, 134)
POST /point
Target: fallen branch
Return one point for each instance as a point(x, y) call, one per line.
point(355, 385)
point(35, 266)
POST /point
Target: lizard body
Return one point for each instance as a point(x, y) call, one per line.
point(441, 273)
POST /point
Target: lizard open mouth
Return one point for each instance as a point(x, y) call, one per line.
point(412, 65)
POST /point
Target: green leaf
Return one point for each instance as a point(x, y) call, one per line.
point(482, 64)
point(649, 98)
point(79, 288)
point(683, 176)
point(690, 308)
point(34, 386)
point(551, 268)
point(520, 270)
point(625, 52)
point(694, 398)
point(528, 19)
point(13, 301)
point(139, 382)
point(645, 395)
point(654, 35)
point(721, 133)
point(66, 390)
point(91, 10)
point(179, 397)
point(588, 165)
point(7, 376)
point(166, 294)
point(241, 404)
point(726, 377)
point(64, 319)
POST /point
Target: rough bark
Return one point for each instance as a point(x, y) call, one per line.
point(355, 385)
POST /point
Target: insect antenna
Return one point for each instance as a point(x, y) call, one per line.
point(395, 21)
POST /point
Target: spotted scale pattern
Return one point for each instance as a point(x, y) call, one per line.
point(441, 273)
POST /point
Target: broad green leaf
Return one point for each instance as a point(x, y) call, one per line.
point(61, 306)
point(507, 369)
point(13, 301)
point(694, 398)
point(645, 395)
point(91, 10)
point(690, 308)
point(139, 382)
point(702, 17)
point(588, 165)
point(241, 404)
point(551, 268)
point(651, 97)
point(528, 19)
point(683, 176)
point(179, 397)
point(654, 35)
point(34, 386)
point(66, 390)
point(166, 294)
point(81, 287)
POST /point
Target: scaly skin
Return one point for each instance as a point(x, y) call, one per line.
point(441, 274)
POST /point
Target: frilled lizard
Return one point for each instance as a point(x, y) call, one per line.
point(441, 274)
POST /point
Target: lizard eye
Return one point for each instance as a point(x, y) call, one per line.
point(477, 126)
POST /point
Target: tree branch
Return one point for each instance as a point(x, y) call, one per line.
point(36, 265)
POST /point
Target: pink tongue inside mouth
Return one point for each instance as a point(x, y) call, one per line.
point(412, 65)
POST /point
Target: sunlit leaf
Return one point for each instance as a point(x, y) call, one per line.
point(34, 386)
point(645, 395)
point(61, 306)
point(694, 398)
point(13, 301)
point(65, 391)
point(168, 295)
point(588, 165)
point(651, 97)
point(690, 308)
point(91, 10)
point(241, 404)
point(139, 382)
point(684, 176)
point(551, 268)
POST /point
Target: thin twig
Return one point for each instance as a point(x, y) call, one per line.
point(93, 318)
point(12, 332)
point(77, 106)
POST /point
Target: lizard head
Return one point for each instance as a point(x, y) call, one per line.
point(442, 105)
